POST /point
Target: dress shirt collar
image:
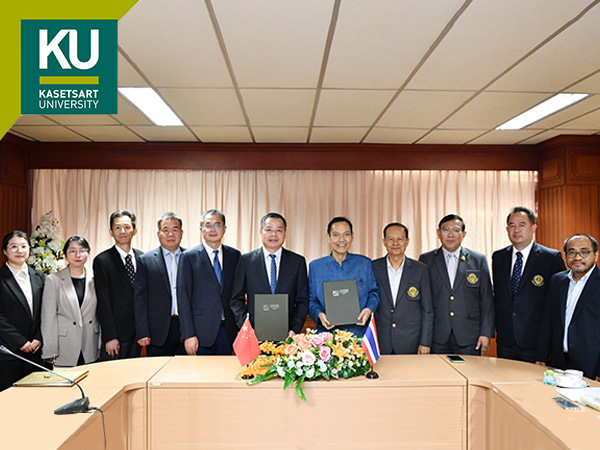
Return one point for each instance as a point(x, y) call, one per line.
point(455, 253)
point(210, 252)
point(165, 252)
point(389, 265)
point(582, 279)
point(19, 274)
point(525, 252)
point(277, 254)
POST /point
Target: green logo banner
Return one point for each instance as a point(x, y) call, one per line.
point(69, 67)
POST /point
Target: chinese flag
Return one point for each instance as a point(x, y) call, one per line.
point(245, 345)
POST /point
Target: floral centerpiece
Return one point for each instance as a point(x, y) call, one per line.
point(46, 249)
point(307, 357)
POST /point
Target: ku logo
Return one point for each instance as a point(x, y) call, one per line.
point(53, 47)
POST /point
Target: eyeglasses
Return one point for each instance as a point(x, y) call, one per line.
point(584, 253)
point(214, 226)
point(74, 252)
point(447, 230)
point(16, 248)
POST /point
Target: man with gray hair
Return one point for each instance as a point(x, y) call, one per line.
point(155, 291)
point(204, 283)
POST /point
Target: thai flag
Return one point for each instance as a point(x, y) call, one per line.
point(370, 343)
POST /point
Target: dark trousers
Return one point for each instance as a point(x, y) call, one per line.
point(13, 370)
point(172, 346)
point(129, 349)
point(222, 346)
point(516, 353)
point(452, 347)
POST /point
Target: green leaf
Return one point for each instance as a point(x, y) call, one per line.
point(299, 390)
point(289, 379)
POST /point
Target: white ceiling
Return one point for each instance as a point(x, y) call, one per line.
point(358, 71)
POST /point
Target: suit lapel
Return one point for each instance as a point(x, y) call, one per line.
point(66, 284)
point(89, 288)
point(118, 263)
point(591, 288)
point(206, 260)
point(440, 263)
point(159, 262)
point(405, 279)
point(387, 289)
point(461, 270)
point(506, 263)
point(258, 261)
point(12, 284)
point(564, 292)
point(526, 275)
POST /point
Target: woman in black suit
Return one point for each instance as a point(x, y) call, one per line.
point(21, 290)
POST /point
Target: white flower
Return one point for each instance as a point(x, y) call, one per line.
point(291, 364)
point(281, 372)
point(310, 373)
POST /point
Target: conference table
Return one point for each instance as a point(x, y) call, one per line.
point(424, 402)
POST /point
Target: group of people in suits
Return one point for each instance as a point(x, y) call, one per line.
point(176, 301)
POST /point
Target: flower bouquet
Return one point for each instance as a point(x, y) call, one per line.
point(46, 249)
point(309, 356)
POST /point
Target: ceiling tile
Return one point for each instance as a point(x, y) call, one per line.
point(339, 134)
point(350, 107)
point(422, 109)
point(155, 134)
point(280, 134)
point(107, 133)
point(83, 119)
point(544, 136)
point(490, 109)
point(222, 134)
point(279, 107)
point(505, 137)
point(174, 44)
point(33, 120)
point(381, 135)
point(53, 133)
point(570, 56)
point(273, 43)
point(474, 52)
point(129, 114)
point(590, 121)
point(128, 76)
point(578, 109)
point(450, 137)
point(379, 47)
point(205, 106)
point(590, 85)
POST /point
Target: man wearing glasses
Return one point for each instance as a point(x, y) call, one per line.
point(463, 309)
point(204, 284)
point(570, 332)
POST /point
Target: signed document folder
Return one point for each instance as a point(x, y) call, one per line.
point(271, 319)
point(50, 379)
point(341, 302)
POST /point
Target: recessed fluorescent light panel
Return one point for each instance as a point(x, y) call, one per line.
point(149, 102)
point(542, 110)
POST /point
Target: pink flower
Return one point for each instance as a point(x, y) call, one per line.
point(326, 335)
point(317, 340)
point(291, 349)
point(303, 345)
point(324, 354)
point(308, 358)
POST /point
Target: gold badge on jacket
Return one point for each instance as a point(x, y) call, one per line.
point(412, 292)
point(472, 278)
point(537, 280)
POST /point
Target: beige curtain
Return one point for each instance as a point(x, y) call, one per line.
point(82, 200)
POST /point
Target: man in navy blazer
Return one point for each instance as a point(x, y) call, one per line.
point(405, 312)
point(570, 331)
point(114, 274)
point(521, 274)
point(155, 292)
point(204, 282)
point(463, 308)
point(19, 312)
point(254, 275)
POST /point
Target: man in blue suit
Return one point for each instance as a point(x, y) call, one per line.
point(521, 275)
point(405, 312)
point(570, 331)
point(155, 292)
point(463, 308)
point(204, 283)
point(272, 269)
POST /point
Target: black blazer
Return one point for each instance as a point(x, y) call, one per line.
point(402, 328)
point(251, 278)
point(584, 329)
point(200, 298)
point(115, 295)
point(518, 318)
point(470, 300)
point(17, 324)
point(152, 298)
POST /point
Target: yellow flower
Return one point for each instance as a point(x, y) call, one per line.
point(343, 335)
point(339, 350)
point(357, 349)
point(267, 347)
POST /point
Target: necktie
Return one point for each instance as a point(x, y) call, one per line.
point(273, 274)
point(217, 265)
point(129, 268)
point(516, 275)
point(452, 266)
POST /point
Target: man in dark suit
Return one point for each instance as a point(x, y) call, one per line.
point(405, 312)
point(114, 275)
point(570, 332)
point(155, 292)
point(21, 290)
point(204, 282)
point(521, 273)
point(271, 269)
point(463, 309)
